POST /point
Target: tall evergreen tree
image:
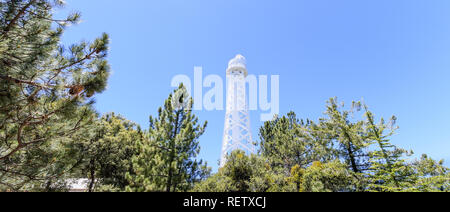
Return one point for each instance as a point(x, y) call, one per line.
point(389, 171)
point(167, 161)
point(46, 92)
point(349, 135)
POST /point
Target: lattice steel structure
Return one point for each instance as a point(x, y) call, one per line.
point(237, 132)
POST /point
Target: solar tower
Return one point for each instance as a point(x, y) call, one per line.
point(237, 131)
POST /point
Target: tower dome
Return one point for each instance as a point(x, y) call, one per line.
point(238, 65)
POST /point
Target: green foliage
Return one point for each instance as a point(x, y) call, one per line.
point(433, 175)
point(46, 94)
point(167, 160)
point(349, 136)
point(285, 143)
point(107, 155)
point(244, 173)
point(296, 178)
point(329, 177)
point(389, 171)
point(294, 145)
point(354, 155)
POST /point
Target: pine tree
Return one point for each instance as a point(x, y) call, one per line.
point(46, 92)
point(288, 142)
point(284, 143)
point(389, 171)
point(348, 135)
point(167, 160)
point(433, 175)
point(108, 154)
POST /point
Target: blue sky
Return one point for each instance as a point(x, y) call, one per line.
point(394, 54)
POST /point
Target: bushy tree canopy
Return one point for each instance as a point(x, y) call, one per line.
point(46, 92)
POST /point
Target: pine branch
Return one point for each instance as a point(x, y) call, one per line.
point(17, 17)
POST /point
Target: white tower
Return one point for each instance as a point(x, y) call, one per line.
point(237, 132)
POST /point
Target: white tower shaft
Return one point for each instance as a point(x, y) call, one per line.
point(237, 131)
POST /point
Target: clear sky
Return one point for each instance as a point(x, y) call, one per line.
point(394, 54)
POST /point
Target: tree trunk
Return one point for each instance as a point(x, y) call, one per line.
point(172, 154)
point(351, 154)
point(92, 176)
